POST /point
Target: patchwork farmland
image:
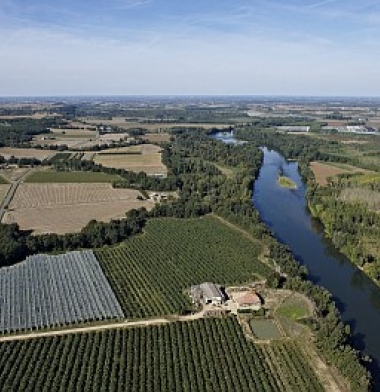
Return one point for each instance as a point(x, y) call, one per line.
point(68, 207)
point(146, 158)
point(48, 291)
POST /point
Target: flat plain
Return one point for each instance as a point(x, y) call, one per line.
point(64, 208)
point(8, 152)
point(145, 158)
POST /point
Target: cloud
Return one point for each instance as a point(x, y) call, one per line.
point(322, 3)
point(130, 4)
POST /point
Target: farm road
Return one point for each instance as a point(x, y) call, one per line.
point(100, 327)
point(8, 198)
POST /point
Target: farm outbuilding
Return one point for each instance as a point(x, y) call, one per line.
point(207, 293)
point(249, 300)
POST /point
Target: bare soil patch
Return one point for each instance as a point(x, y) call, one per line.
point(7, 152)
point(323, 171)
point(66, 208)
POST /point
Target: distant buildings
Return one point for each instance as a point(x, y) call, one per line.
point(357, 129)
point(298, 128)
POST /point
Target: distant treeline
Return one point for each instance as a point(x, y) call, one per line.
point(18, 132)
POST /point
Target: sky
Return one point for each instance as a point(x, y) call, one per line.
point(173, 47)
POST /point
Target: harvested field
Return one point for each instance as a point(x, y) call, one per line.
point(322, 171)
point(131, 149)
point(75, 177)
point(148, 161)
point(156, 137)
point(112, 137)
point(59, 141)
point(66, 208)
point(3, 191)
point(13, 173)
point(8, 152)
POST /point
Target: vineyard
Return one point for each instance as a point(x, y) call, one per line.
point(151, 273)
point(53, 176)
point(204, 355)
point(66, 207)
point(49, 195)
point(55, 290)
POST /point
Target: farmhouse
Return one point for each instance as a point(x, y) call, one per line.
point(207, 293)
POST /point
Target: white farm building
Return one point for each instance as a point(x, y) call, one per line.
point(207, 293)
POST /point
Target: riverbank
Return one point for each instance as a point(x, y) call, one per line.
point(292, 224)
point(327, 326)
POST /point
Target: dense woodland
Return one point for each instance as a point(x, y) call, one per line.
point(18, 132)
point(194, 161)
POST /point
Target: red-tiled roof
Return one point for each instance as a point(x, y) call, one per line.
point(250, 298)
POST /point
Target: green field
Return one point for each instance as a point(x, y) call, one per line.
point(81, 177)
point(294, 308)
point(205, 355)
point(265, 329)
point(150, 272)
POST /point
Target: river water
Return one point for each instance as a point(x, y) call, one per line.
point(285, 213)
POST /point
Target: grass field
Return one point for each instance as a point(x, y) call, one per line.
point(156, 137)
point(146, 158)
point(67, 207)
point(151, 272)
point(294, 308)
point(205, 355)
point(77, 177)
point(264, 329)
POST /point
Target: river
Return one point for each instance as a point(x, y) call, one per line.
point(285, 213)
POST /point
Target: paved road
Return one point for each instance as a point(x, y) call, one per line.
point(8, 198)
